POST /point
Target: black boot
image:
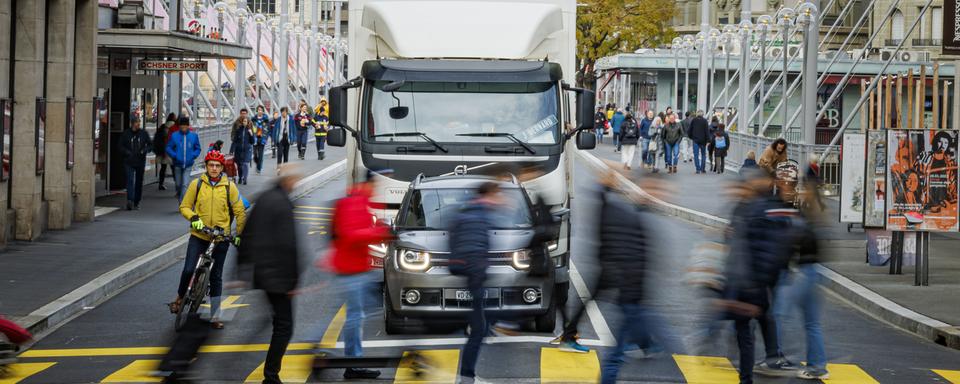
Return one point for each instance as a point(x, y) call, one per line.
point(360, 373)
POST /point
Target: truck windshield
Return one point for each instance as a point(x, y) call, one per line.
point(434, 208)
point(445, 110)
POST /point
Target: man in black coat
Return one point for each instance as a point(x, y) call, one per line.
point(134, 146)
point(699, 135)
point(270, 248)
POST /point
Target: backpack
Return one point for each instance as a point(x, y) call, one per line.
point(630, 130)
point(229, 204)
point(721, 142)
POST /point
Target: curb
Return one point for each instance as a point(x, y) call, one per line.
point(105, 286)
point(865, 299)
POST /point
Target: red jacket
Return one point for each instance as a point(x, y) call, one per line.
point(354, 230)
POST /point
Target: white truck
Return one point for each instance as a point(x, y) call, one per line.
point(447, 87)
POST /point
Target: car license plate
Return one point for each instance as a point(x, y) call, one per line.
point(376, 262)
point(463, 295)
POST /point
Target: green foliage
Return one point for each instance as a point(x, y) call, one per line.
point(607, 27)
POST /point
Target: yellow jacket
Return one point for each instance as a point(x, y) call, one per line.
point(210, 204)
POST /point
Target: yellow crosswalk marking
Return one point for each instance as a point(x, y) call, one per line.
point(294, 369)
point(332, 333)
point(140, 351)
point(135, 372)
point(309, 218)
point(20, 371)
point(952, 376)
point(706, 369)
point(848, 374)
point(443, 366)
point(309, 212)
point(229, 303)
point(312, 207)
point(567, 367)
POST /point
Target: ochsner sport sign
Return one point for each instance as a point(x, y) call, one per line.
point(172, 65)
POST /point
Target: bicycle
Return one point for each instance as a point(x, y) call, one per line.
point(199, 284)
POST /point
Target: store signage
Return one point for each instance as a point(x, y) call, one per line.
point(172, 65)
point(951, 27)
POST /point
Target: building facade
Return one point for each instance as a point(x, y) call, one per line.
point(920, 44)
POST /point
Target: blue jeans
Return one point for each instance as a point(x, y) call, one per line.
point(243, 169)
point(616, 140)
point(599, 132)
point(699, 156)
point(671, 153)
point(181, 177)
point(195, 247)
point(134, 183)
point(478, 327)
point(644, 150)
point(644, 327)
point(356, 290)
point(800, 289)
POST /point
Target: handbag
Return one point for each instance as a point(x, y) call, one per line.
point(652, 146)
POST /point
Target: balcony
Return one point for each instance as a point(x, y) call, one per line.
point(927, 42)
point(892, 42)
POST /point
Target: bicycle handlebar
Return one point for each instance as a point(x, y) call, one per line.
point(217, 234)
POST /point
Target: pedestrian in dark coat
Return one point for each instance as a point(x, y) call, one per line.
point(700, 135)
point(160, 139)
point(270, 250)
point(134, 145)
point(721, 144)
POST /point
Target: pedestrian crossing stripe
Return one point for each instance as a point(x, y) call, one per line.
point(310, 218)
point(309, 212)
point(136, 372)
point(293, 369)
point(706, 369)
point(312, 207)
point(848, 374)
point(557, 366)
point(952, 376)
point(332, 334)
point(444, 365)
point(20, 371)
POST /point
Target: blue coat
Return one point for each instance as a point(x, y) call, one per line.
point(264, 124)
point(183, 149)
point(291, 126)
point(241, 145)
point(470, 238)
point(616, 121)
point(645, 124)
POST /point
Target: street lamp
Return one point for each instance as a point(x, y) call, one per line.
point(221, 8)
point(713, 43)
point(688, 47)
point(743, 110)
point(259, 19)
point(240, 75)
point(807, 18)
point(675, 47)
point(298, 35)
point(764, 24)
point(785, 19)
point(727, 39)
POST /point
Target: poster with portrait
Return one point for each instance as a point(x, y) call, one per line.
point(71, 130)
point(40, 134)
point(922, 180)
point(6, 130)
point(851, 177)
point(875, 180)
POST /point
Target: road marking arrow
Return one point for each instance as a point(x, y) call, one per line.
point(229, 303)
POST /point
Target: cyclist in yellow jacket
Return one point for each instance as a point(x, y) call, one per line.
point(211, 200)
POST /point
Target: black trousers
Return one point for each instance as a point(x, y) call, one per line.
point(478, 327)
point(283, 150)
point(282, 332)
point(163, 170)
point(745, 345)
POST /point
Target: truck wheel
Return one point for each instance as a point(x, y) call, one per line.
point(392, 322)
point(547, 321)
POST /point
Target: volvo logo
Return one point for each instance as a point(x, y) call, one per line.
point(460, 169)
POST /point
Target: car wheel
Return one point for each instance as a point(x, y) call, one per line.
point(547, 322)
point(392, 322)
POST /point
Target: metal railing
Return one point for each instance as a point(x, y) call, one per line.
point(741, 143)
point(892, 42)
point(927, 42)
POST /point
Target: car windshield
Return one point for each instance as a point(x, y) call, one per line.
point(434, 208)
point(445, 111)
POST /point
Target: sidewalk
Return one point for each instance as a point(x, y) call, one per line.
point(932, 312)
point(52, 279)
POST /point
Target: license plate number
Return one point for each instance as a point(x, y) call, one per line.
point(463, 295)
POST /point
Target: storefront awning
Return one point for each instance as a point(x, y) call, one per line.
point(161, 43)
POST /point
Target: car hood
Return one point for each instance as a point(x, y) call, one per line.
point(439, 241)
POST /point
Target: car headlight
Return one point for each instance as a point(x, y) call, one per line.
point(412, 260)
point(521, 259)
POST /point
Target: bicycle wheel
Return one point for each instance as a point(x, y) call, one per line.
point(184, 312)
point(200, 287)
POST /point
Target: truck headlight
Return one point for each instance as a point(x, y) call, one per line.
point(521, 259)
point(411, 260)
point(552, 246)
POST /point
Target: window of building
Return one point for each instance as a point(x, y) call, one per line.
point(896, 28)
point(262, 6)
point(936, 21)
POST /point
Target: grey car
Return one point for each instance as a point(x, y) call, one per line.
point(418, 287)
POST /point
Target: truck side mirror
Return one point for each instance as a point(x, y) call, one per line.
point(337, 137)
point(585, 101)
point(338, 108)
point(585, 139)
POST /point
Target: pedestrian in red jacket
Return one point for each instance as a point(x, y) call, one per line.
point(353, 231)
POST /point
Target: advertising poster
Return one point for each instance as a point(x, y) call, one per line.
point(878, 247)
point(6, 124)
point(71, 130)
point(851, 178)
point(922, 187)
point(40, 134)
point(874, 180)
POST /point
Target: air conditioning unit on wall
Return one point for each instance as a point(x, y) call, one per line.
point(904, 56)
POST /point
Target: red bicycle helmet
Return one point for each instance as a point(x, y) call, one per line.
point(215, 156)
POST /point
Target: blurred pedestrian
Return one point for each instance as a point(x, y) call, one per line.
point(599, 123)
point(242, 143)
point(284, 128)
point(261, 126)
point(629, 137)
point(469, 246)
point(654, 144)
point(160, 148)
point(644, 142)
point(773, 155)
point(304, 121)
point(270, 251)
point(714, 126)
point(320, 122)
point(750, 161)
point(721, 143)
point(183, 149)
point(135, 143)
point(699, 135)
point(624, 253)
point(354, 229)
point(686, 146)
point(672, 136)
point(812, 201)
point(616, 121)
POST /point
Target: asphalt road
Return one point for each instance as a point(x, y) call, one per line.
point(121, 339)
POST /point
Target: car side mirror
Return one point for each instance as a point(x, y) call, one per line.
point(585, 140)
point(337, 137)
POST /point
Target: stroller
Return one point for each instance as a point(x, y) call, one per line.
point(787, 178)
point(14, 336)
